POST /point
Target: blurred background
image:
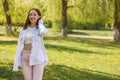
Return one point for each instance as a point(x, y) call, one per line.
point(83, 42)
point(80, 14)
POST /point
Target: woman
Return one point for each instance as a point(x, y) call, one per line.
point(30, 53)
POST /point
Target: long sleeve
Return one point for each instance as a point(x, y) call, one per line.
point(17, 56)
point(42, 28)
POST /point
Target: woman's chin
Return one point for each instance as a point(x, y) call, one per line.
point(33, 22)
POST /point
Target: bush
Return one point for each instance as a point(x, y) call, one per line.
point(85, 26)
point(48, 24)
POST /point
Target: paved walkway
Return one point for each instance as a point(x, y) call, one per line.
point(95, 37)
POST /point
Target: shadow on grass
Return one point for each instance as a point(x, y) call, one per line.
point(12, 42)
point(68, 49)
point(13, 34)
point(62, 72)
point(65, 47)
point(108, 44)
point(59, 72)
point(90, 42)
point(6, 73)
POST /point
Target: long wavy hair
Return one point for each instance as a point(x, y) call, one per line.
point(27, 22)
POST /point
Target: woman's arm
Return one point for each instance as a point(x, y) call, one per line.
point(42, 28)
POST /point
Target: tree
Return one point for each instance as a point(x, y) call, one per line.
point(117, 20)
point(64, 17)
point(8, 17)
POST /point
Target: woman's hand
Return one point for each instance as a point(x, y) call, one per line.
point(43, 29)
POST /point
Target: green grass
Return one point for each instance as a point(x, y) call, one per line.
point(70, 58)
point(92, 32)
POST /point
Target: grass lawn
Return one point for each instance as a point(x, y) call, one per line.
point(70, 58)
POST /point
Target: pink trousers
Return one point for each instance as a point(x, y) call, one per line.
point(34, 72)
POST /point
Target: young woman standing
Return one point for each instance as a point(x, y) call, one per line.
point(30, 53)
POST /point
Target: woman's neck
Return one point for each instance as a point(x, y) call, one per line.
point(32, 25)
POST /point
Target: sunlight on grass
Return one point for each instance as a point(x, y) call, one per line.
point(70, 58)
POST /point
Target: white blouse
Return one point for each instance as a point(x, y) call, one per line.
point(38, 53)
point(28, 37)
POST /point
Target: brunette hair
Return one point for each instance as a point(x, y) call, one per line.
point(27, 22)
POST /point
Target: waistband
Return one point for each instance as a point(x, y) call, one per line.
point(26, 51)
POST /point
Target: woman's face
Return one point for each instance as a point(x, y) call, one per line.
point(33, 16)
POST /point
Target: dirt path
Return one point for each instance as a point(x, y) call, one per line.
point(7, 38)
point(95, 37)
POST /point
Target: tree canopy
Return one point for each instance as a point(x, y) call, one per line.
point(79, 12)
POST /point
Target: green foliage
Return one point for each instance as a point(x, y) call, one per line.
point(80, 13)
point(53, 13)
point(2, 16)
point(48, 24)
point(86, 26)
point(91, 12)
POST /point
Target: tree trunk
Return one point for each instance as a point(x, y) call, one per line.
point(64, 17)
point(8, 17)
point(117, 20)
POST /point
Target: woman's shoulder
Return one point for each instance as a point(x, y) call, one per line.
point(22, 30)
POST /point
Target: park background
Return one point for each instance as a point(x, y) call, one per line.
point(70, 57)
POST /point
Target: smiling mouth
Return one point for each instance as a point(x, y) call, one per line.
point(32, 19)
